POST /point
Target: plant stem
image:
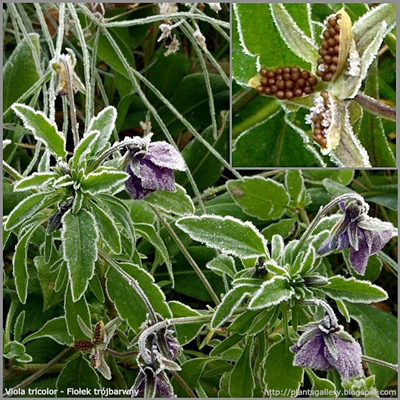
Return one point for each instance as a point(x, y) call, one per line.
point(196, 268)
point(382, 363)
point(183, 384)
point(376, 107)
point(42, 371)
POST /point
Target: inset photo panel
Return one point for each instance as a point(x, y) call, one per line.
point(313, 85)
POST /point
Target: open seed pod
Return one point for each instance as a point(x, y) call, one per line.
point(284, 82)
point(335, 46)
point(325, 120)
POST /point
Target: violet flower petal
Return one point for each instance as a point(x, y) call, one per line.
point(312, 355)
point(164, 155)
point(348, 362)
point(156, 178)
point(134, 186)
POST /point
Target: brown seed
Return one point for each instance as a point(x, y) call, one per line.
point(331, 42)
point(307, 90)
point(295, 70)
point(336, 48)
point(278, 77)
point(337, 38)
point(301, 82)
point(322, 51)
point(271, 81)
point(263, 71)
point(286, 76)
point(324, 44)
point(286, 70)
point(312, 81)
point(332, 31)
point(267, 90)
point(270, 74)
point(289, 94)
point(332, 68)
point(279, 70)
point(332, 21)
point(295, 76)
point(274, 89)
point(264, 81)
point(326, 34)
point(289, 84)
point(280, 84)
point(335, 60)
point(327, 59)
point(260, 89)
point(280, 94)
point(298, 92)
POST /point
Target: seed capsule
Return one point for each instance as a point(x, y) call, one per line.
point(335, 46)
point(325, 121)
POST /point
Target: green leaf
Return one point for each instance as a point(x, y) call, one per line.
point(255, 21)
point(295, 39)
point(55, 329)
point(104, 122)
point(227, 234)
point(127, 302)
point(263, 138)
point(80, 235)
point(322, 387)
point(20, 264)
point(73, 309)
point(272, 292)
point(244, 321)
point(379, 332)
point(14, 349)
point(26, 208)
point(282, 228)
point(148, 231)
point(78, 375)
point(107, 228)
point(241, 383)
point(282, 378)
point(178, 202)
point(294, 183)
point(84, 148)
point(47, 280)
point(222, 264)
point(35, 181)
point(259, 197)
point(19, 326)
point(354, 290)
point(230, 302)
point(226, 344)
point(20, 72)
point(102, 181)
point(42, 128)
point(185, 332)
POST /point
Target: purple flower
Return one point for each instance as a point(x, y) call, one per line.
point(150, 168)
point(326, 346)
point(149, 384)
point(359, 232)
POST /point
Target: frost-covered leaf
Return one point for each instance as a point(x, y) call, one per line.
point(55, 329)
point(79, 242)
point(259, 197)
point(222, 264)
point(230, 302)
point(107, 228)
point(272, 292)
point(178, 202)
point(35, 181)
point(104, 122)
point(354, 290)
point(42, 128)
point(228, 234)
point(103, 181)
point(275, 371)
point(294, 37)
